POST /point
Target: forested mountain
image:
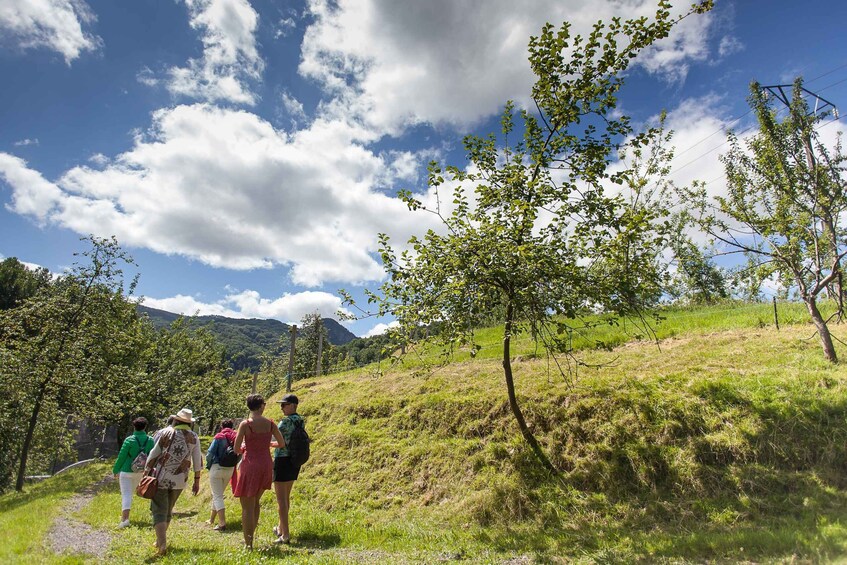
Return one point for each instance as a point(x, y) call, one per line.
point(247, 340)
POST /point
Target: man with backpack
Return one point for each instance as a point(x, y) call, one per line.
point(288, 459)
point(221, 460)
point(129, 465)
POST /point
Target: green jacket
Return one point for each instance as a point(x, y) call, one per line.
point(130, 449)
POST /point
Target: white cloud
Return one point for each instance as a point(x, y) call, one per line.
point(284, 27)
point(226, 188)
point(729, 45)
point(289, 308)
point(230, 58)
point(294, 109)
point(687, 42)
point(99, 159)
point(25, 142)
point(53, 24)
point(32, 195)
point(392, 63)
point(381, 328)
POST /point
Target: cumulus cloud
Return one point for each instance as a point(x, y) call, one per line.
point(289, 308)
point(230, 58)
point(381, 328)
point(52, 24)
point(225, 187)
point(393, 63)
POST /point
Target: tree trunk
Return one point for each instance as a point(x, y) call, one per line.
point(513, 401)
point(823, 330)
point(30, 431)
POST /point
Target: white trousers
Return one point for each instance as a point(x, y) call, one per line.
point(218, 478)
point(128, 482)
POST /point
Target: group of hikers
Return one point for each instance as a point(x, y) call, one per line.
point(240, 457)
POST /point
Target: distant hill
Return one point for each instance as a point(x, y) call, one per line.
point(246, 340)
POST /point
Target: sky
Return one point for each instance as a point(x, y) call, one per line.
point(247, 154)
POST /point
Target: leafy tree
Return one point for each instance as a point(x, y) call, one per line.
point(785, 207)
point(310, 332)
point(534, 232)
point(698, 280)
point(64, 340)
point(17, 282)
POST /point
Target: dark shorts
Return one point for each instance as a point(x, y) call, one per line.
point(284, 470)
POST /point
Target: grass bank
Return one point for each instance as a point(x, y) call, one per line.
point(721, 445)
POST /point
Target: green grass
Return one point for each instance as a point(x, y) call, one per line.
point(26, 517)
point(727, 443)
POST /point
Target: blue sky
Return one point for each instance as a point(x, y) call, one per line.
point(248, 153)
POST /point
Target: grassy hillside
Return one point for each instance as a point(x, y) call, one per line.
point(726, 443)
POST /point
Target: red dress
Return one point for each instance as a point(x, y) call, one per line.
point(256, 472)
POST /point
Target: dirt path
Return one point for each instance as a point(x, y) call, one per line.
point(69, 535)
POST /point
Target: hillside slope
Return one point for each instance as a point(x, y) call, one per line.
point(717, 446)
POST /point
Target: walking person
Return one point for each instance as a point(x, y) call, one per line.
point(220, 461)
point(285, 471)
point(129, 466)
point(175, 452)
point(255, 474)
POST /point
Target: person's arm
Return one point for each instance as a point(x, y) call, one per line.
point(212, 453)
point(122, 456)
point(153, 455)
point(198, 464)
point(280, 441)
point(240, 437)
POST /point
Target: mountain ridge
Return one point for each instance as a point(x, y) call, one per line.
point(246, 340)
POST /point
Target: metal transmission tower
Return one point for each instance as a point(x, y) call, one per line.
point(821, 105)
point(778, 92)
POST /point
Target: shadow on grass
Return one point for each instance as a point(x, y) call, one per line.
point(181, 555)
point(774, 491)
point(314, 540)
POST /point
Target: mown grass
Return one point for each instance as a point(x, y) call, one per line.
point(719, 445)
point(25, 517)
point(604, 332)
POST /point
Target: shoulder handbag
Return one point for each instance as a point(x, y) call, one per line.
point(149, 485)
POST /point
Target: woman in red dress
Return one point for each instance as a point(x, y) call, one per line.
point(255, 474)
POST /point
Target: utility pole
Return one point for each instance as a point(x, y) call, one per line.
point(293, 338)
point(320, 326)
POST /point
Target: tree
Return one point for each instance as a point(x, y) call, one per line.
point(17, 282)
point(541, 234)
point(312, 338)
point(64, 340)
point(785, 207)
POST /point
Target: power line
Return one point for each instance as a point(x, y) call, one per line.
point(734, 120)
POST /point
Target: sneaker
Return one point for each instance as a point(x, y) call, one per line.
point(123, 524)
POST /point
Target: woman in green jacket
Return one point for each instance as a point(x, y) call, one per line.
point(139, 442)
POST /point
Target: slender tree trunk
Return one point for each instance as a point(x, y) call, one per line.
point(513, 401)
point(30, 431)
point(823, 330)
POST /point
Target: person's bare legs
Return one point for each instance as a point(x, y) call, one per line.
point(283, 503)
point(212, 517)
point(124, 515)
point(248, 513)
point(256, 513)
point(222, 517)
point(161, 537)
